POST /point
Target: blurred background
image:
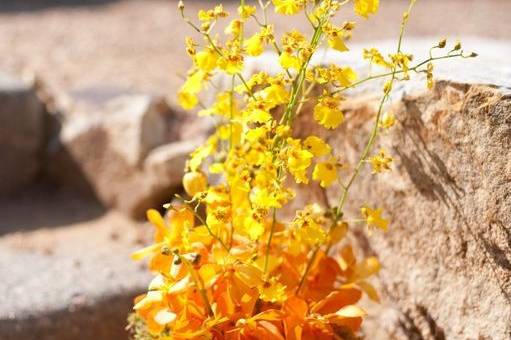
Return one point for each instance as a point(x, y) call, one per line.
point(76, 44)
point(88, 142)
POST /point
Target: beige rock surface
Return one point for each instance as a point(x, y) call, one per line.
point(72, 282)
point(447, 256)
point(22, 134)
point(102, 151)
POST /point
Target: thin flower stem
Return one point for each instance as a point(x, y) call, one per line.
point(303, 101)
point(374, 132)
point(368, 146)
point(384, 75)
point(306, 271)
point(208, 228)
point(231, 233)
point(242, 28)
point(287, 118)
point(199, 283)
point(265, 25)
point(268, 245)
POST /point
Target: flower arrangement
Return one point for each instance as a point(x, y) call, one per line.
point(228, 263)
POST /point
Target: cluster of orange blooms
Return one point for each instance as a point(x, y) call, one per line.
point(207, 291)
point(228, 263)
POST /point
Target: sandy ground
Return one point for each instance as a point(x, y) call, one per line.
point(138, 45)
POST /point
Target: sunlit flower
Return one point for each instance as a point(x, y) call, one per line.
point(325, 172)
point(380, 162)
point(327, 112)
point(366, 7)
point(228, 262)
point(288, 7)
point(373, 218)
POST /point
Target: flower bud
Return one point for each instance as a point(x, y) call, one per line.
point(387, 87)
point(165, 250)
point(194, 182)
point(457, 46)
point(180, 5)
point(442, 43)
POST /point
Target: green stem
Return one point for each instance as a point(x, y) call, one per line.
point(287, 117)
point(383, 75)
point(374, 132)
point(306, 271)
point(199, 283)
point(268, 244)
point(209, 229)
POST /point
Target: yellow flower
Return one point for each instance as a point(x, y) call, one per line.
point(312, 234)
point(293, 41)
point(194, 82)
point(194, 182)
point(276, 94)
point(203, 151)
point(234, 28)
point(212, 14)
point(402, 61)
point(272, 291)
point(367, 267)
point(246, 11)
point(325, 172)
point(298, 161)
point(387, 120)
point(232, 62)
point(187, 95)
point(380, 162)
point(254, 228)
point(366, 7)
point(327, 112)
point(337, 43)
point(228, 263)
point(190, 45)
point(345, 76)
point(375, 57)
point(254, 45)
point(287, 61)
point(225, 105)
point(288, 7)
point(206, 60)
point(317, 146)
point(187, 100)
point(257, 116)
point(373, 218)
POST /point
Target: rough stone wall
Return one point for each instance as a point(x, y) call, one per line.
point(447, 256)
point(22, 125)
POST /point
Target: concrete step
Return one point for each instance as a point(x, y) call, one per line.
point(70, 281)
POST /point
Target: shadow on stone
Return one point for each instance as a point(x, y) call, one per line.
point(426, 169)
point(43, 205)
point(38, 5)
point(105, 319)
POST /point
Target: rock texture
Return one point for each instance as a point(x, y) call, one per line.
point(157, 181)
point(104, 153)
point(70, 283)
point(447, 256)
point(22, 134)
